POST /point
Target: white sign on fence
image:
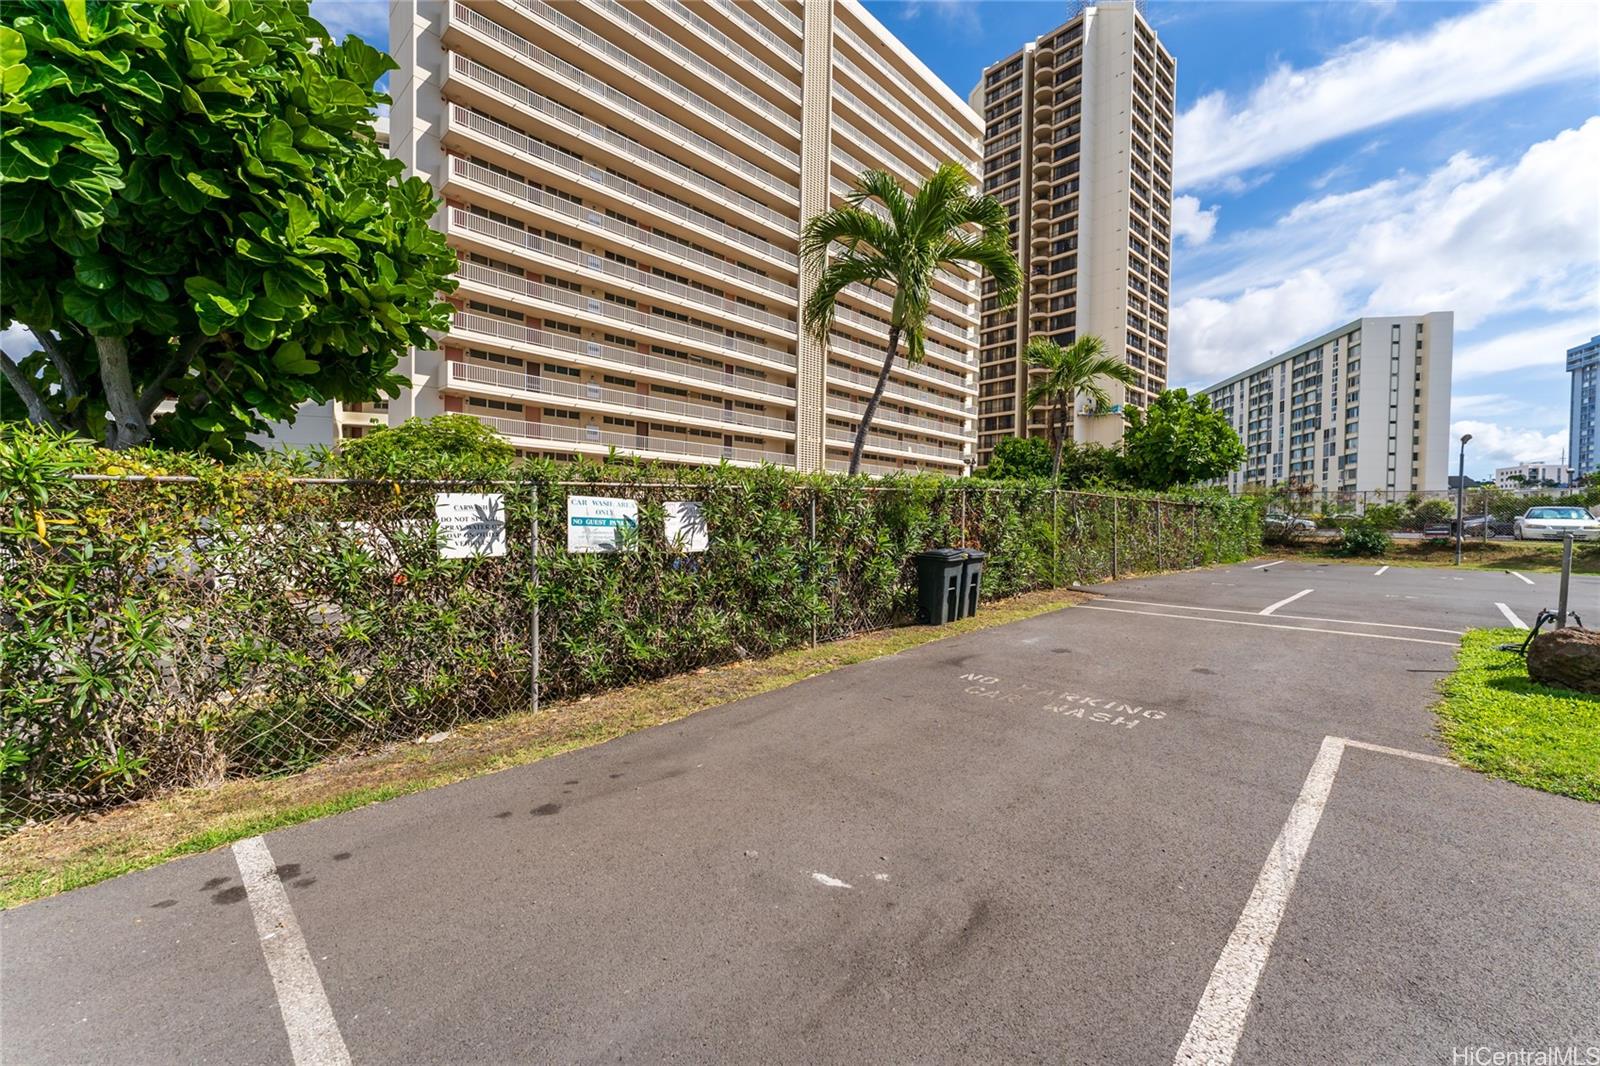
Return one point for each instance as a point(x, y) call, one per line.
point(596, 523)
point(686, 526)
point(470, 524)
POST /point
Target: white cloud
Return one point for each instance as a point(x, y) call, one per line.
point(367, 19)
point(1541, 347)
point(1482, 241)
point(1497, 49)
point(1192, 223)
point(1215, 338)
point(1495, 445)
point(958, 14)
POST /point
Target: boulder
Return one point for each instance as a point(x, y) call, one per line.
point(1566, 658)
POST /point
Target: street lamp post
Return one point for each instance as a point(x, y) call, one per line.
point(1461, 495)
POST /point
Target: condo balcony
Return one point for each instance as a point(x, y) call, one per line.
point(592, 440)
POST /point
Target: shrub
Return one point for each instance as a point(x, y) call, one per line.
point(161, 634)
point(1361, 539)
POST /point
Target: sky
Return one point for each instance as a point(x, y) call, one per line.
point(1352, 157)
point(1348, 158)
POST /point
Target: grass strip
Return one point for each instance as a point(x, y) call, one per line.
point(1525, 556)
point(41, 860)
point(1496, 719)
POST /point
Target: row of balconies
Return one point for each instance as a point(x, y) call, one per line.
point(579, 39)
point(480, 380)
point(566, 214)
point(585, 309)
point(467, 78)
point(592, 440)
point(590, 89)
point(546, 254)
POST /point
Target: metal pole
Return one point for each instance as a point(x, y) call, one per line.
point(1485, 494)
point(1566, 575)
point(1114, 510)
point(811, 562)
point(533, 559)
point(1461, 498)
point(963, 516)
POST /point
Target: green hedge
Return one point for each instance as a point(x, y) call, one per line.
point(248, 621)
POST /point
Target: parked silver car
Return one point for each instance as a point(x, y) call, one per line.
point(1278, 522)
point(1554, 523)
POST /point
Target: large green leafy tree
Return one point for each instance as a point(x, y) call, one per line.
point(194, 206)
point(1067, 373)
point(1018, 457)
point(944, 224)
point(1180, 441)
point(444, 446)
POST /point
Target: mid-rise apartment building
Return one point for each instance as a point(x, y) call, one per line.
point(1525, 474)
point(1583, 452)
point(1078, 146)
point(625, 185)
point(1362, 408)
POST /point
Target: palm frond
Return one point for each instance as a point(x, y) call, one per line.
point(881, 185)
point(854, 228)
point(846, 269)
point(936, 209)
point(992, 257)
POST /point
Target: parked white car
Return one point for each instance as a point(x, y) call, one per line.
point(1277, 522)
point(1554, 523)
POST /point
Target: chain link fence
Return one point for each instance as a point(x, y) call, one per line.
point(166, 632)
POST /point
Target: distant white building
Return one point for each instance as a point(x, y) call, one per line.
point(1515, 477)
point(1361, 408)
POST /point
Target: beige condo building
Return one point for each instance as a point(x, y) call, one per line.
point(625, 185)
point(1078, 146)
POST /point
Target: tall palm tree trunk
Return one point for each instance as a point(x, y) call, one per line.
point(1058, 437)
point(872, 404)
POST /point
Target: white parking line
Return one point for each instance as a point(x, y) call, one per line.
point(314, 1038)
point(1267, 625)
point(1296, 617)
point(1379, 571)
point(1219, 1020)
point(1519, 577)
point(1263, 566)
point(1511, 616)
point(1287, 601)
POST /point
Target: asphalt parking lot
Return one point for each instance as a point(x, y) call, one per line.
point(1203, 817)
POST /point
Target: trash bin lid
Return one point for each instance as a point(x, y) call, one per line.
point(976, 556)
point(944, 555)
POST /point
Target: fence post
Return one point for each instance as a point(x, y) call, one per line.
point(811, 561)
point(1485, 495)
point(533, 558)
point(1055, 538)
point(1159, 560)
point(963, 516)
point(1115, 507)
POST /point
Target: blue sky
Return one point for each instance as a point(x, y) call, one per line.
point(1335, 159)
point(1340, 158)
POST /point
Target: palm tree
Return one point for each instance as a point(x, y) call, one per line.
point(1069, 372)
point(944, 225)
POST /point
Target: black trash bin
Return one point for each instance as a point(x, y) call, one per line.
point(972, 581)
point(939, 587)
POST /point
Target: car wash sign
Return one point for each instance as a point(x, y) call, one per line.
point(471, 524)
point(600, 523)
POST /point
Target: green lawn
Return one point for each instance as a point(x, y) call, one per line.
point(1529, 556)
point(1497, 720)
